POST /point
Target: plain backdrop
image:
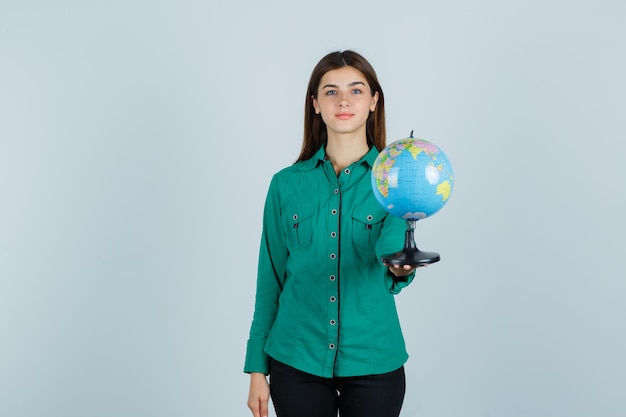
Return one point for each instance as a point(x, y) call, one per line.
point(137, 141)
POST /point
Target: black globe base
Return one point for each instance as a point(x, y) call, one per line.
point(413, 257)
point(410, 254)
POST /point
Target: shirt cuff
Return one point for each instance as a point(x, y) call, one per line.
point(395, 284)
point(256, 359)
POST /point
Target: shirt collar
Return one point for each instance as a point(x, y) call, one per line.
point(320, 156)
point(312, 162)
point(371, 156)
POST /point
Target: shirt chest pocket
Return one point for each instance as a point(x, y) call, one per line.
point(367, 223)
point(298, 223)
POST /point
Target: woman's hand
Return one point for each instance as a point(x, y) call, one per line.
point(403, 270)
point(259, 395)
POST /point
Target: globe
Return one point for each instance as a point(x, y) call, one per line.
point(412, 179)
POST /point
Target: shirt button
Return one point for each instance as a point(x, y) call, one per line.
point(332, 277)
point(333, 256)
point(333, 234)
point(333, 322)
point(333, 211)
point(346, 171)
point(295, 217)
point(336, 191)
point(370, 217)
point(332, 298)
point(331, 346)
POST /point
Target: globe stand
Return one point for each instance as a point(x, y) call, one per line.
point(410, 254)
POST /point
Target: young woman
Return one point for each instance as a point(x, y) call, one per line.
point(325, 326)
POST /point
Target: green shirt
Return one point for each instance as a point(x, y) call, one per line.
point(324, 301)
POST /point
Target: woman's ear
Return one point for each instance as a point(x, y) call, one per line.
point(315, 106)
point(374, 101)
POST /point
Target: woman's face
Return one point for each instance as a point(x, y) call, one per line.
point(344, 100)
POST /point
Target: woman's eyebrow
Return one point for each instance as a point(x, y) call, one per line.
point(352, 84)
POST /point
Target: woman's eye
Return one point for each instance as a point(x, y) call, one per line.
point(331, 92)
point(357, 91)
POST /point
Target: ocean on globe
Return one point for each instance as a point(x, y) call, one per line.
point(412, 178)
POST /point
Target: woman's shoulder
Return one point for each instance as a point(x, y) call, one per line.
point(290, 177)
point(298, 168)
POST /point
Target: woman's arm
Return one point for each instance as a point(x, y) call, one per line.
point(270, 279)
point(259, 395)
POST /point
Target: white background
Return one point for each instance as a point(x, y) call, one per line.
point(137, 141)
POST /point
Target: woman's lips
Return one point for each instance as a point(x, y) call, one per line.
point(344, 116)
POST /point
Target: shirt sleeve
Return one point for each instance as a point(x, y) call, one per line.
point(391, 240)
point(394, 285)
point(270, 280)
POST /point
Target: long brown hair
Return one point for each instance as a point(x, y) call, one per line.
point(315, 134)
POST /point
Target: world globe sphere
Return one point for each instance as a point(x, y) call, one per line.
point(412, 178)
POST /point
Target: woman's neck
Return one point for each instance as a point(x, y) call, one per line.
point(342, 152)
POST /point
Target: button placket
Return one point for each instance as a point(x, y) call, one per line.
point(332, 319)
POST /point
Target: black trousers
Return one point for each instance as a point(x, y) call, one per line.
point(298, 394)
